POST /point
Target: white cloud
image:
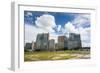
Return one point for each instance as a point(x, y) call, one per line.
point(71, 28)
point(29, 14)
point(81, 20)
point(54, 36)
point(58, 28)
point(85, 36)
point(46, 22)
point(31, 32)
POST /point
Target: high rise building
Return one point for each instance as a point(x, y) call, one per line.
point(51, 45)
point(62, 42)
point(42, 41)
point(74, 41)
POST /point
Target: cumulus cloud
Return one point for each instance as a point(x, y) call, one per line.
point(71, 28)
point(46, 22)
point(59, 28)
point(31, 32)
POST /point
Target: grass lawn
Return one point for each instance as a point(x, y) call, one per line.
point(57, 55)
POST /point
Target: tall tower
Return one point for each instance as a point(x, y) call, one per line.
point(51, 45)
point(62, 42)
point(42, 41)
point(74, 41)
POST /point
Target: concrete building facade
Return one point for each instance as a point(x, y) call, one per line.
point(44, 44)
point(62, 42)
point(74, 41)
point(51, 45)
point(42, 41)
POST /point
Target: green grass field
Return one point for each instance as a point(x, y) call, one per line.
point(57, 55)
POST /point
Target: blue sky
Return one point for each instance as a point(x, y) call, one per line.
point(57, 23)
point(60, 18)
